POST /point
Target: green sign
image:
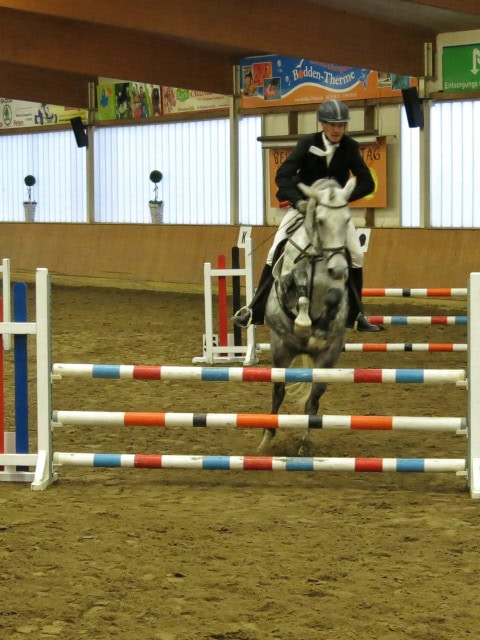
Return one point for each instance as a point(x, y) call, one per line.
point(461, 68)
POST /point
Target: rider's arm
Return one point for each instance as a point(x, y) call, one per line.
point(287, 178)
point(365, 184)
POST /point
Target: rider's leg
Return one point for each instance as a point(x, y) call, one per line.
point(255, 311)
point(355, 284)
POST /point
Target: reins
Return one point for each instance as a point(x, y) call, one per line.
point(313, 256)
point(324, 253)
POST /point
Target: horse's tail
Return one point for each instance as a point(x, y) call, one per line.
point(298, 392)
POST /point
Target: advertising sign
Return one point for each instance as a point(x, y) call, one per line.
point(461, 67)
point(17, 114)
point(176, 100)
point(375, 156)
point(128, 100)
point(280, 80)
point(131, 100)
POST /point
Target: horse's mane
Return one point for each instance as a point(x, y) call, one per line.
point(325, 183)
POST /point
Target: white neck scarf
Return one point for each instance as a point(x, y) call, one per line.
point(329, 149)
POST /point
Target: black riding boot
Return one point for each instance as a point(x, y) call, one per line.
point(254, 313)
point(355, 307)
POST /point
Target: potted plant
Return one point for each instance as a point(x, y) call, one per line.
point(156, 205)
point(29, 206)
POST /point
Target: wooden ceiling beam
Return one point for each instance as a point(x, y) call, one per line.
point(470, 7)
point(311, 31)
point(33, 84)
point(91, 49)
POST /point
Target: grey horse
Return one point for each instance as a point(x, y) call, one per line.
point(307, 306)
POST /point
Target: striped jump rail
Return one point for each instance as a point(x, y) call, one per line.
point(418, 320)
point(439, 292)
point(258, 374)
point(392, 346)
point(256, 421)
point(405, 346)
point(258, 463)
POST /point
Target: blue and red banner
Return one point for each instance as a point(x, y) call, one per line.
point(280, 80)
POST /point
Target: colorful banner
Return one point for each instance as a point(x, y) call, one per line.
point(460, 68)
point(16, 114)
point(375, 156)
point(280, 81)
point(128, 101)
point(176, 100)
point(131, 100)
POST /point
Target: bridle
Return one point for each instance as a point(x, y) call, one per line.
point(325, 253)
point(312, 256)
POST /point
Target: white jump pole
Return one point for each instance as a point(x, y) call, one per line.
point(474, 385)
point(44, 473)
point(6, 301)
point(258, 374)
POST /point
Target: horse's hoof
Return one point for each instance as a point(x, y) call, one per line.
point(303, 322)
point(263, 446)
point(305, 449)
point(302, 332)
point(317, 344)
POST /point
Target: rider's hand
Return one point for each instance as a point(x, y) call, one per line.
point(301, 205)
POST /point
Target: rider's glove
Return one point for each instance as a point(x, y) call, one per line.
point(301, 205)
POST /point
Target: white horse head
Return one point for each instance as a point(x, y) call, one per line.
point(327, 219)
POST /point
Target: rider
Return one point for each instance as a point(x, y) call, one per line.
point(330, 153)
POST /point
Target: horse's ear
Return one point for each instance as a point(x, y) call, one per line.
point(307, 191)
point(349, 187)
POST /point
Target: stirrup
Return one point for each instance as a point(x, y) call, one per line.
point(364, 325)
point(243, 317)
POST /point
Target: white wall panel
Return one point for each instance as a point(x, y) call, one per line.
point(59, 167)
point(194, 158)
point(410, 173)
point(250, 171)
point(455, 164)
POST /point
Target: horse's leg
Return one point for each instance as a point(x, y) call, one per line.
point(278, 394)
point(303, 322)
point(311, 409)
point(325, 359)
point(322, 360)
point(282, 358)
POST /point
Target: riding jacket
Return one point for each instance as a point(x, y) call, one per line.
point(304, 166)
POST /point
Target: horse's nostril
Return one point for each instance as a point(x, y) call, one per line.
point(336, 274)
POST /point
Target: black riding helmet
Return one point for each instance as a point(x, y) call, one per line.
point(333, 111)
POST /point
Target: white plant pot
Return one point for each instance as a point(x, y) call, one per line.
point(29, 209)
point(156, 212)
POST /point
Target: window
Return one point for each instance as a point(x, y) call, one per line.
point(59, 168)
point(455, 164)
point(251, 171)
point(194, 158)
point(410, 173)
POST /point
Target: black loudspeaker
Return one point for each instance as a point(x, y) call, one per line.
point(79, 131)
point(413, 107)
